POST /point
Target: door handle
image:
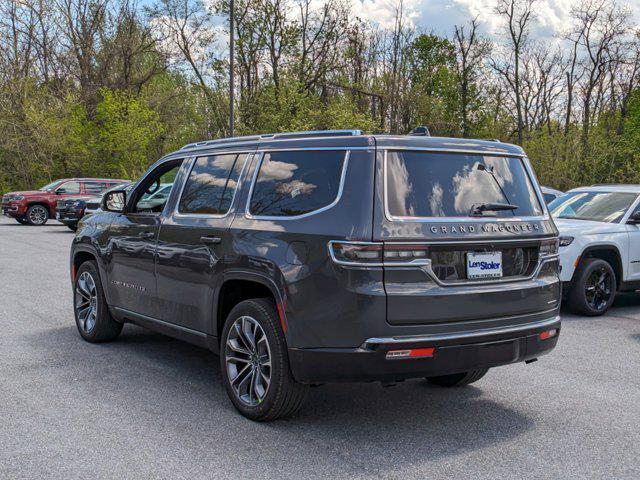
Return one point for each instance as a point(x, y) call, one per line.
point(207, 240)
point(146, 235)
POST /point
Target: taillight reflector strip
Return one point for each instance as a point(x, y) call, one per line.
point(548, 334)
point(411, 353)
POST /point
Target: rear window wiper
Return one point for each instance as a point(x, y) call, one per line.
point(478, 209)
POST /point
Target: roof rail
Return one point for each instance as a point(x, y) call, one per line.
point(265, 136)
point(314, 133)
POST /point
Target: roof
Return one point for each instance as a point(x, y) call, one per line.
point(353, 139)
point(608, 188)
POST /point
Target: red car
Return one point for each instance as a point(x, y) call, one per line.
point(35, 207)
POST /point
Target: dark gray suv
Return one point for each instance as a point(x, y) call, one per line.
point(313, 257)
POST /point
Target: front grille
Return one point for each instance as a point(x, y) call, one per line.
point(449, 265)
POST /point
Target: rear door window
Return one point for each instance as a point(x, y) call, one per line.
point(430, 184)
point(211, 184)
point(295, 183)
point(94, 188)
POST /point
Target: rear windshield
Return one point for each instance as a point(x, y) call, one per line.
point(428, 184)
point(597, 206)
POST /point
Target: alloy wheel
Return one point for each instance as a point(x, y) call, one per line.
point(37, 215)
point(248, 361)
point(86, 302)
point(598, 289)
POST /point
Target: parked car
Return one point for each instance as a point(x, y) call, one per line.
point(599, 244)
point(37, 206)
point(93, 205)
point(550, 194)
point(315, 257)
point(70, 210)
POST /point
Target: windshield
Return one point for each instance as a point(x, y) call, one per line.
point(428, 184)
point(51, 186)
point(597, 206)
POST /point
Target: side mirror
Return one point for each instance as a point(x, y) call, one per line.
point(114, 201)
point(61, 191)
point(634, 218)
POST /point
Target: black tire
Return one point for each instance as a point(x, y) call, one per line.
point(283, 395)
point(458, 379)
point(100, 327)
point(21, 221)
point(583, 300)
point(37, 215)
point(73, 228)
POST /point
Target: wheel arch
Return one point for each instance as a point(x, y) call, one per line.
point(82, 253)
point(43, 203)
point(608, 252)
point(239, 286)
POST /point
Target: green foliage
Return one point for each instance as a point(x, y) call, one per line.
point(126, 130)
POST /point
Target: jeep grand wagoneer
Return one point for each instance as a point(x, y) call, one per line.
point(313, 257)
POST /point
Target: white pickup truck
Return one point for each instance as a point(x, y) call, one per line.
point(599, 244)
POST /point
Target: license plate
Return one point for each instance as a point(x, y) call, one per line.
point(484, 265)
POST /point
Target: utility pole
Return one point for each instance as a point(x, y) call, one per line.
point(231, 62)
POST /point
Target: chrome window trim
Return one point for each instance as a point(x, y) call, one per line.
point(194, 159)
point(392, 218)
point(343, 176)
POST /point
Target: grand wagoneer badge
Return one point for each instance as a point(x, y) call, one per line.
point(486, 228)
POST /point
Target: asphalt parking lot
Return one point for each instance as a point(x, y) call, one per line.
point(148, 406)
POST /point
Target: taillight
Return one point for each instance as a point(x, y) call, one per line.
point(356, 253)
point(403, 253)
point(378, 254)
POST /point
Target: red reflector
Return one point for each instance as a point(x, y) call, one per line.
point(422, 352)
point(548, 334)
point(73, 271)
point(413, 353)
point(283, 323)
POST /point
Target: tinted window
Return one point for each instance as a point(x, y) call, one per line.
point(211, 184)
point(94, 188)
point(597, 206)
point(548, 197)
point(158, 187)
point(425, 184)
point(70, 187)
point(294, 183)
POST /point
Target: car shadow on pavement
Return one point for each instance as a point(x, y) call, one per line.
point(363, 427)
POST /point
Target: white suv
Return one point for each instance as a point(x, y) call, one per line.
point(599, 244)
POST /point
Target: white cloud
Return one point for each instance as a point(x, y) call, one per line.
point(440, 16)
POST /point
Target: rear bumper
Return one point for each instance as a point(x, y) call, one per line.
point(454, 353)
